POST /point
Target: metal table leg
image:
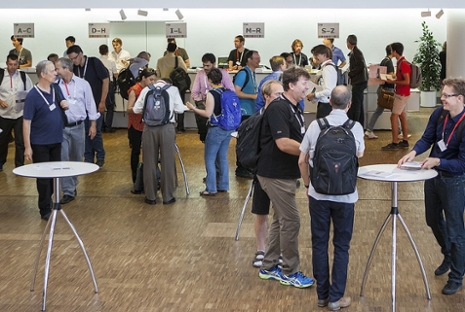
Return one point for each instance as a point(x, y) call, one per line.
point(182, 168)
point(241, 217)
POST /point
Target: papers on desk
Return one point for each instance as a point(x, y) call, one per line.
point(411, 165)
point(379, 174)
point(54, 167)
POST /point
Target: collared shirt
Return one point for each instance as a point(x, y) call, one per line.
point(110, 65)
point(336, 117)
point(260, 102)
point(167, 63)
point(338, 55)
point(119, 57)
point(453, 158)
point(80, 100)
point(201, 85)
point(176, 103)
point(8, 93)
point(327, 81)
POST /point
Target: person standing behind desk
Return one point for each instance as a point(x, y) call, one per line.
point(43, 129)
point(11, 118)
point(299, 58)
point(445, 194)
point(24, 55)
point(237, 57)
point(338, 56)
point(180, 52)
point(120, 56)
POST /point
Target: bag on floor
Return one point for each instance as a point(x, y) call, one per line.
point(335, 162)
point(139, 182)
point(386, 99)
point(231, 115)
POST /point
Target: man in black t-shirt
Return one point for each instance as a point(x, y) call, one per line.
point(277, 171)
point(236, 59)
point(96, 74)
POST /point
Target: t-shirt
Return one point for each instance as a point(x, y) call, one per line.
point(135, 120)
point(281, 119)
point(23, 56)
point(390, 69)
point(180, 52)
point(217, 98)
point(338, 56)
point(299, 60)
point(247, 105)
point(403, 67)
point(94, 72)
point(46, 124)
point(235, 56)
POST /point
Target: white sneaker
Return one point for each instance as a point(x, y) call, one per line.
point(370, 134)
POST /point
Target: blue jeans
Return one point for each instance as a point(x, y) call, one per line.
point(72, 149)
point(342, 215)
point(94, 146)
point(444, 207)
point(216, 146)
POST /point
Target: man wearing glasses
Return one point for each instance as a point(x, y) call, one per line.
point(445, 194)
point(402, 94)
point(92, 69)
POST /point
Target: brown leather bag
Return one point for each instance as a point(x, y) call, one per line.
point(386, 99)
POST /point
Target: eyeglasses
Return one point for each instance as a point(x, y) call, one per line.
point(445, 95)
point(73, 58)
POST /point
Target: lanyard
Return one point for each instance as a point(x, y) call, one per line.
point(237, 57)
point(53, 95)
point(67, 91)
point(453, 129)
point(85, 69)
point(295, 61)
point(297, 114)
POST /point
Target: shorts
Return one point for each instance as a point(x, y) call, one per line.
point(260, 200)
point(400, 104)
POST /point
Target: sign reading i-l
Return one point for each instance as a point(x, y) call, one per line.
point(176, 30)
point(99, 30)
point(253, 30)
point(23, 30)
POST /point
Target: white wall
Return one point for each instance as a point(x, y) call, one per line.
point(213, 30)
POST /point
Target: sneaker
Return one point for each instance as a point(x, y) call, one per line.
point(298, 279)
point(369, 134)
point(271, 274)
point(443, 268)
point(323, 302)
point(451, 288)
point(403, 144)
point(391, 147)
point(344, 302)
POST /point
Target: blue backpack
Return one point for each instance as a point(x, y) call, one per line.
point(230, 117)
point(156, 110)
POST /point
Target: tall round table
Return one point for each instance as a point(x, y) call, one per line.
point(390, 173)
point(56, 170)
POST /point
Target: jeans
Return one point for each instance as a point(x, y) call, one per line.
point(444, 207)
point(342, 215)
point(94, 146)
point(72, 149)
point(216, 146)
point(356, 109)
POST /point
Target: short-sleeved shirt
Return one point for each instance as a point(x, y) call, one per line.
point(23, 56)
point(236, 56)
point(9, 88)
point(247, 105)
point(389, 69)
point(94, 72)
point(338, 56)
point(336, 117)
point(46, 124)
point(403, 67)
point(281, 119)
point(299, 60)
point(135, 120)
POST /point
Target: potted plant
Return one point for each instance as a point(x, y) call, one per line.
point(427, 58)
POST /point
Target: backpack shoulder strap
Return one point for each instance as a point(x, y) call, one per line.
point(348, 124)
point(323, 123)
point(460, 131)
point(2, 74)
point(441, 117)
point(175, 61)
point(247, 77)
point(23, 78)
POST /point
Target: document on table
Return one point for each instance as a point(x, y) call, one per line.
point(378, 174)
point(411, 165)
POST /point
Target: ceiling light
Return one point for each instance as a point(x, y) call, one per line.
point(179, 14)
point(142, 13)
point(426, 13)
point(123, 15)
point(440, 14)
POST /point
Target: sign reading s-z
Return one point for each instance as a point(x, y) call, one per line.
point(328, 30)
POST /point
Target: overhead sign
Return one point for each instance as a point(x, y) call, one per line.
point(176, 30)
point(99, 30)
point(23, 30)
point(328, 30)
point(253, 30)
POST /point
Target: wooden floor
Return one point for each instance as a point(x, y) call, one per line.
point(183, 257)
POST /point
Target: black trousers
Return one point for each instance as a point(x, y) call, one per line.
point(17, 126)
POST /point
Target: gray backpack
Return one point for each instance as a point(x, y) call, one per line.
point(156, 110)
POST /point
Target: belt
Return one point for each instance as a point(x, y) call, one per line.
point(73, 124)
point(446, 174)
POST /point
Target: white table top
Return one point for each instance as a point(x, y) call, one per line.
point(390, 173)
point(55, 169)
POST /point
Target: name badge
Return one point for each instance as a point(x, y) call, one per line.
point(302, 129)
point(238, 63)
point(442, 145)
point(52, 107)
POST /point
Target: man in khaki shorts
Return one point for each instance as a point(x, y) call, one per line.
point(402, 93)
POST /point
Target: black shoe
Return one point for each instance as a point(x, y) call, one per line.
point(46, 216)
point(391, 147)
point(150, 201)
point(100, 162)
point(172, 200)
point(181, 131)
point(451, 288)
point(403, 144)
point(243, 173)
point(443, 268)
point(66, 199)
point(136, 192)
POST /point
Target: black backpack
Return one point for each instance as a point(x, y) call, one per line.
point(335, 162)
point(125, 81)
point(21, 73)
point(342, 77)
point(248, 141)
point(180, 78)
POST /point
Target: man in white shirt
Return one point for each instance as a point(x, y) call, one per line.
point(13, 88)
point(78, 94)
point(120, 56)
point(160, 140)
point(110, 101)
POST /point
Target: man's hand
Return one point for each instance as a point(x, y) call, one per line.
point(430, 162)
point(92, 131)
point(101, 107)
point(28, 153)
point(310, 96)
point(409, 157)
point(3, 104)
point(64, 105)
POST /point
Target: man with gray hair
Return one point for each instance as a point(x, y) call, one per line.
point(324, 208)
point(43, 129)
point(78, 94)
